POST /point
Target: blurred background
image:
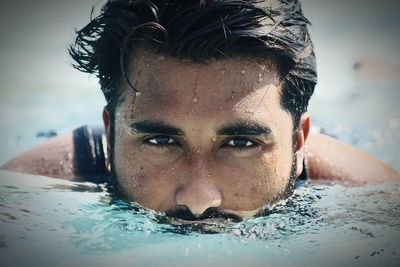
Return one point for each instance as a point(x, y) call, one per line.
point(357, 98)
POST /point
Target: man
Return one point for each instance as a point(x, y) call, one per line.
point(206, 108)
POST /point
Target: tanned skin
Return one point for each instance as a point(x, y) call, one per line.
point(329, 160)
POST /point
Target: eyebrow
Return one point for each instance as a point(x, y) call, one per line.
point(245, 128)
point(155, 126)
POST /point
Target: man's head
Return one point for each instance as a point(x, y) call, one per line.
point(220, 122)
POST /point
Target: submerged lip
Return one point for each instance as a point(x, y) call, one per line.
point(218, 220)
point(211, 216)
point(204, 226)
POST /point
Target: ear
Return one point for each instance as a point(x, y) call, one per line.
point(107, 127)
point(302, 135)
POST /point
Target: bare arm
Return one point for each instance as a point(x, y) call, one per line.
point(332, 160)
point(53, 158)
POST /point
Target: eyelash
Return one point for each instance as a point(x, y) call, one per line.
point(246, 147)
point(227, 144)
point(147, 141)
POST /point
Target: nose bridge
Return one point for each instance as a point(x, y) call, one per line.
point(198, 165)
point(198, 191)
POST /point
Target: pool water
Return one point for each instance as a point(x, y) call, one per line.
point(51, 222)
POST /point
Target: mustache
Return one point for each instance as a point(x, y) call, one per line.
point(185, 214)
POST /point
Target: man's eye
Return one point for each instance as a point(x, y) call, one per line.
point(160, 140)
point(241, 143)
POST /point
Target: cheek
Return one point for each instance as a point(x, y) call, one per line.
point(149, 186)
point(159, 180)
point(256, 183)
point(279, 165)
point(149, 190)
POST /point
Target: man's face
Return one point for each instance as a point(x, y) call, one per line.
point(203, 136)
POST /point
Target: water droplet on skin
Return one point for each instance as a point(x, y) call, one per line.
point(243, 72)
point(214, 139)
point(138, 93)
point(161, 58)
point(260, 77)
point(196, 150)
point(194, 100)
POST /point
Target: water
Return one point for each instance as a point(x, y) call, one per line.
point(54, 222)
point(50, 222)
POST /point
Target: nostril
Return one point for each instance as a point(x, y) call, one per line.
point(196, 204)
point(197, 196)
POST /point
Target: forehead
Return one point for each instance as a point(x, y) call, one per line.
point(247, 88)
point(158, 72)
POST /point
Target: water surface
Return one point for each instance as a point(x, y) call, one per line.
point(52, 222)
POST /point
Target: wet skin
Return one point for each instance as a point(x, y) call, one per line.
point(204, 136)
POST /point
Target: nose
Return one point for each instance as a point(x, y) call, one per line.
point(198, 192)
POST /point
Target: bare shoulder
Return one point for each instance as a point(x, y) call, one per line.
point(332, 160)
point(53, 158)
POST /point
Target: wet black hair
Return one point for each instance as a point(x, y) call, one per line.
point(200, 30)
